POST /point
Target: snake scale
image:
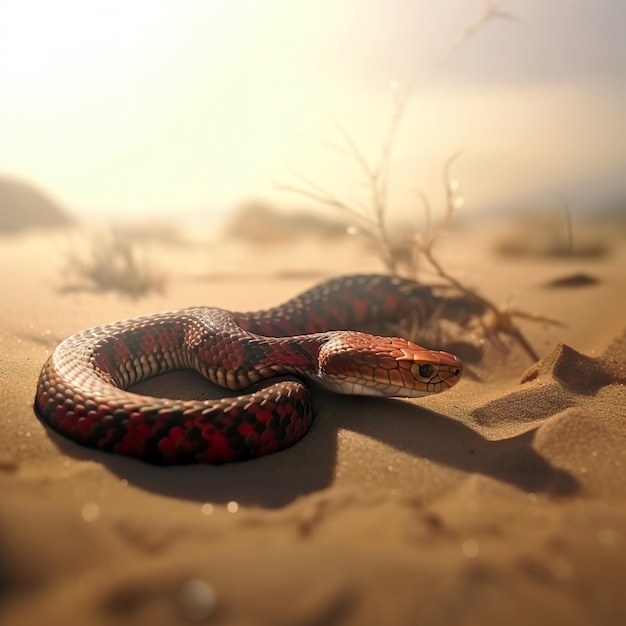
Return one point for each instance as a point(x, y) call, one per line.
point(82, 390)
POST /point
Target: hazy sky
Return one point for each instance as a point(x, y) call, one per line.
point(150, 106)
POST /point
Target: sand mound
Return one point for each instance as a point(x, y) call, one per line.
point(499, 502)
point(25, 207)
point(579, 373)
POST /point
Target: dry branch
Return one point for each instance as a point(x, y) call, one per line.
point(370, 216)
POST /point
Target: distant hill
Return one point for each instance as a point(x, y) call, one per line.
point(23, 206)
point(257, 222)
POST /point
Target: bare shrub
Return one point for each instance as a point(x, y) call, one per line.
point(370, 214)
point(549, 233)
point(112, 261)
point(259, 223)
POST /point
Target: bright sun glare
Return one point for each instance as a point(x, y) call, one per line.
point(147, 106)
point(87, 85)
point(87, 46)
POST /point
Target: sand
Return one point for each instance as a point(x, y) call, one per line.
point(501, 501)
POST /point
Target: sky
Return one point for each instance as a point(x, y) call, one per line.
point(140, 108)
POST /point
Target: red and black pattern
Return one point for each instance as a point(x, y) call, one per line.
point(82, 387)
point(343, 304)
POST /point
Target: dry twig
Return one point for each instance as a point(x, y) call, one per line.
point(370, 215)
point(112, 262)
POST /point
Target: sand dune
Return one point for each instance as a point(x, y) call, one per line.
point(502, 501)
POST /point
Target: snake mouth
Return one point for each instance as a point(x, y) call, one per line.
point(436, 371)
point(427, 373)
point(452, 362)
point(355, 363)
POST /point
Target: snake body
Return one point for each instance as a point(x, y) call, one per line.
point(82, 387)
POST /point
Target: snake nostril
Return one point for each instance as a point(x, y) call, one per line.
point(457, 372)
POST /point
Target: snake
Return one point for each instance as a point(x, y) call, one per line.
point(272, 356)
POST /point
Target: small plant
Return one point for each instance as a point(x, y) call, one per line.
point(369, 215)
point(113, 262)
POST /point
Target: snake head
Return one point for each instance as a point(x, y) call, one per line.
point(358, 363)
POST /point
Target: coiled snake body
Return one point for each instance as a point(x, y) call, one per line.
point(82, 387)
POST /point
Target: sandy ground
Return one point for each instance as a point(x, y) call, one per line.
point(502, 501)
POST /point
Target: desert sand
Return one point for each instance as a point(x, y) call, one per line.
point(502, 501)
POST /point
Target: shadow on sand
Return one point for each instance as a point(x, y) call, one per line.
point(310, 465)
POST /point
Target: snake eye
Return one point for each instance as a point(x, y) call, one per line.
point(426, 370)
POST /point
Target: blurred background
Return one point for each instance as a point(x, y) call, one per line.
point(135, 109)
